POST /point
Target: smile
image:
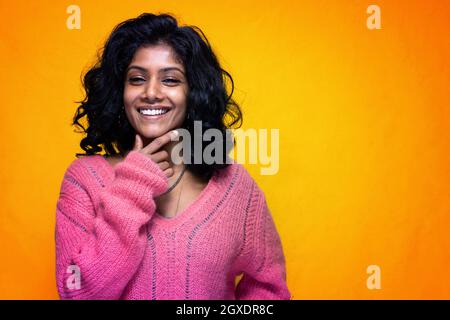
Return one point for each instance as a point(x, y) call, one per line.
point(153, 113)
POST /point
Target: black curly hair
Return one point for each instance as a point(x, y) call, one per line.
point(207, 101)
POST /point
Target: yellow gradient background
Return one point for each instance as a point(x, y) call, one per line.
point(363, 118)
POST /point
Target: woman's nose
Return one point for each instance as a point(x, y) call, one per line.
point(153, 90)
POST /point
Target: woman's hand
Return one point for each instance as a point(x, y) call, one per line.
point(151, 150)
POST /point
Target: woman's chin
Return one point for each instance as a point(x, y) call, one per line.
point(154, 130)
point(154, 133)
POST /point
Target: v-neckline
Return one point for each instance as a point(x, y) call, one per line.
point(189, 209)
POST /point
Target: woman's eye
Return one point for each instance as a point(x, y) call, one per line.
point(172, 81)
point(135, 80)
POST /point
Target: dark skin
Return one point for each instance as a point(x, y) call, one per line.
point(186, 191)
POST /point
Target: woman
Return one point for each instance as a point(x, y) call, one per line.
point(135, 223)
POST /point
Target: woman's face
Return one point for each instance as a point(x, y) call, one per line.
point(155, 92)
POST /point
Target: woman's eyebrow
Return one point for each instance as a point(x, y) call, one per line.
point(160, 70)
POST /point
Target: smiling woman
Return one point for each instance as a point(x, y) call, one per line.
point(134, 223)
point(156, 91)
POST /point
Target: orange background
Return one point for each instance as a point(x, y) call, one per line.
point(363, 118)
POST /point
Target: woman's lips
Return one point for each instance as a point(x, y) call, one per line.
point(154, 117)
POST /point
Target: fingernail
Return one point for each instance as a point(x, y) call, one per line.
point(174, 133)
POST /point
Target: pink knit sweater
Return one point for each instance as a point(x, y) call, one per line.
point(107, 226)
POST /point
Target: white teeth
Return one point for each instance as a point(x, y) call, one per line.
point(153, 112)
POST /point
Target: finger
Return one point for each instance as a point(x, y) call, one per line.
point(164, 165)
point(160, 156)
point(157, 143)
point(168, 172)
point(137, 143)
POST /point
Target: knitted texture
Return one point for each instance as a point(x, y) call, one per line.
point(108, 227)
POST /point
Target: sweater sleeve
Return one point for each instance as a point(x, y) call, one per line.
point(101, 239)
point(264, 277)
